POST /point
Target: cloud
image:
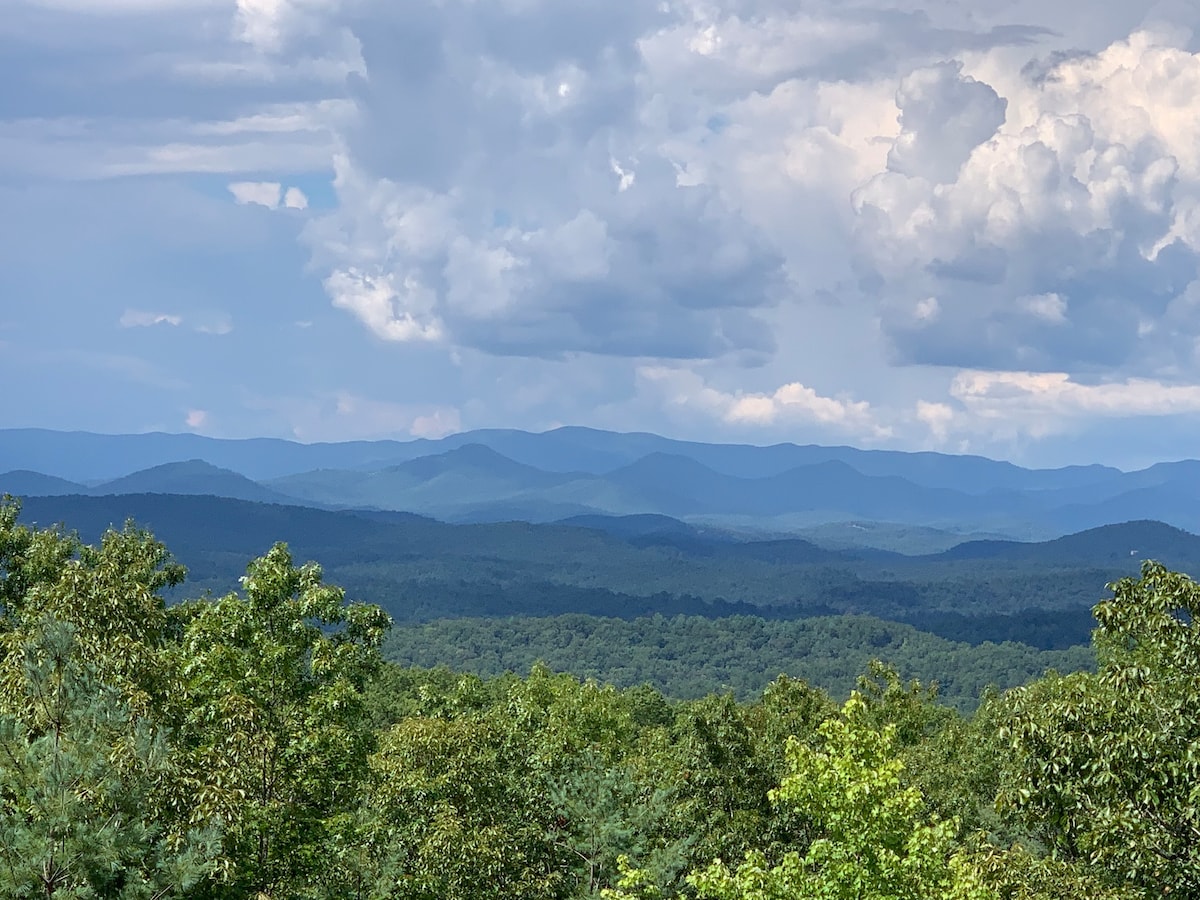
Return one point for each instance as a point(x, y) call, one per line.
point(263, 193)
point(294, 198)
point(205, 323)
point(270, 194)
point(937, 416)
point(343, 415)
point(403, 312)
point(139, 318)
point(1050, 307)
point(625, 267)
point(437, 424)
point(217, 324)
point(871, 221)
point(789, 405)
point(944, 116)
point(196, 419)
point(1016, 394)
point(1079, 210)
point(998, 408)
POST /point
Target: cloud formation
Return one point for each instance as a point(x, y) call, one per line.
point(891, 222)
point(790, 404)
point(204, 323)
point(1078, 211)
point(270, 194)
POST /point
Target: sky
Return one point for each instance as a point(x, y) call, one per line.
point(955, 225)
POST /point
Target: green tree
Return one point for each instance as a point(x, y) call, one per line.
point(458, 816)
point(603, 813)
point(110, 594)
point(78, 779)
point(1106, 767)
point(274, 724)
point(709, 762)
point(875, 840)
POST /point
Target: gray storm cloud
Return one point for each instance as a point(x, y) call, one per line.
point(501, 190)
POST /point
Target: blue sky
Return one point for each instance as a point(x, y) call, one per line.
point(964, 226)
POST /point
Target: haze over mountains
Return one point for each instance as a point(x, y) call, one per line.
point(498, 475)
point(575, 521)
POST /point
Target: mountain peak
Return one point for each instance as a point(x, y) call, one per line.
point(191, 476)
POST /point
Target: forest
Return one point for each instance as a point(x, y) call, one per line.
point(420, 570)
point(258, 744)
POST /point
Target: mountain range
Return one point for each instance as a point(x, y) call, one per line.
point(500, 475)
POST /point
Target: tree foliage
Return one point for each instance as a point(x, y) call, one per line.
point(79, 784)
point(873, 839)
point(255, 745)
point(1106, 767)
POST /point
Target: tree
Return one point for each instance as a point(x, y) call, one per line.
point(274, 723)
point(603, 814)
point(109, 595)
point(78, 778)
point(458, 816)
point(1107, 766)
point(875, 841)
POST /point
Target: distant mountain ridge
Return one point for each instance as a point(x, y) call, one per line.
point(22, 482)
point(498, 474)
point(1102, 546)
point(88, 457)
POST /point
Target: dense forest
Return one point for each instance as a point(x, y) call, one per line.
point(687, 657)
point(257, 744)
point(420, 570)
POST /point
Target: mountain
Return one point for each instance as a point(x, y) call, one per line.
point(895, 537)
point(677, 485)
point(481, 459)
point(636, 526)
point(469, 476)
point(86, 457)
point(500, 475)
point(1106, 546)
point(680, 486)
point(192, 477)
point(575, 448)
point(968, 474)
point(23, 483)
point(475, 483)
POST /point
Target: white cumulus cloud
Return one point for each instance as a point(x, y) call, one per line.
point(790, 404)
point(261, 193)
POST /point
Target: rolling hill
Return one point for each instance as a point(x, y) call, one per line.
point(419, 569)
point(1107, 545)
point(194, 476)
point(23, 483)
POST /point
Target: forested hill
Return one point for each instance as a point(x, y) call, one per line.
point(420, 569)
point(1108, 545)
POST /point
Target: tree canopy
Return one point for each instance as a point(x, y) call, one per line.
point(255, 744)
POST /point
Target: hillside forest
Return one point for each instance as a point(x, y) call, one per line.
point(257, 744)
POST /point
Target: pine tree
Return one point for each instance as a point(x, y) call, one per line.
point(78, 775)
